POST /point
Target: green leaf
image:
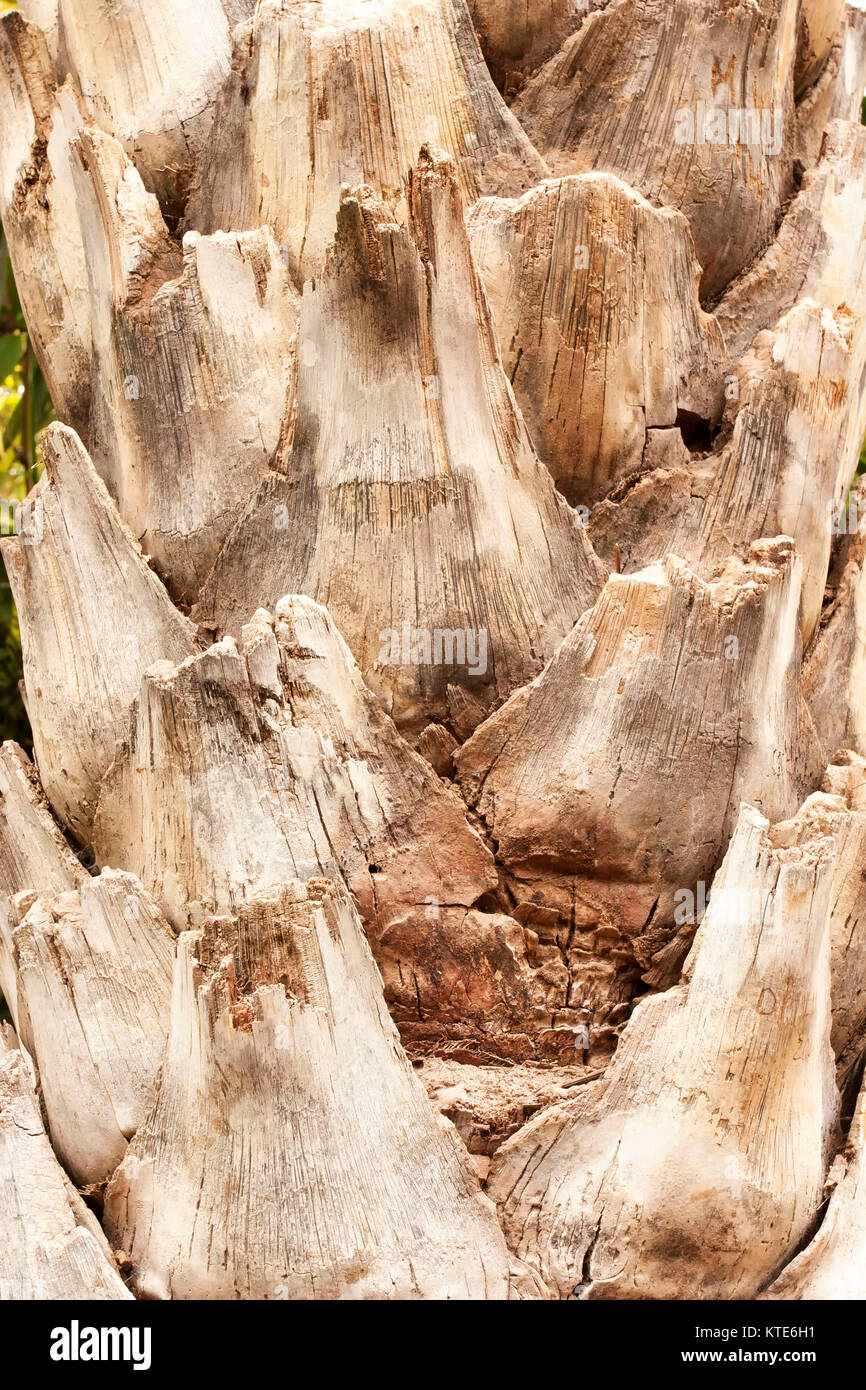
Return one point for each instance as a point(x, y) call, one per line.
point(11, 352)
point(15, 424)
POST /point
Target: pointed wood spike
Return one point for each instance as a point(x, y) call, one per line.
point(51, 1246)
point(679, 99)
point(278, 763)
point(306, 73)
point(792, 446)
point(611, 784)
point(698, 1161)
point(203, 339)
point(159, 106)
point(411, 463)
point(33, 854)
point(94, 971)
point(278, 1025)
point(40, 220)
point(93, 616)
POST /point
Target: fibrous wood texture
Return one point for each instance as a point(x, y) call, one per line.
point(160, 106)
point(93, 982)
point(278, 762)
point(596, 309)
point(436, 483)
point(716, 1118)
point(341, 92)
point(51, 1246)
point(33, 853)
point(613, 781)
point(282, 1069)
point(203, 336)
point(831, 1266)
point(679, 99)
point(444, 628)
point(516, 39)
point(93, 616)
point(787, 468)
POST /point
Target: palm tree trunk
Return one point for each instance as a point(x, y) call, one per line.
point(445, 648)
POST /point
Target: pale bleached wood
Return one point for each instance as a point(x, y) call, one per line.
point(303, 771)
point(819, 24)
point(835, 813)
point(795, 428)
point(612, 96)
point(594, 296)
point(696, 1166)
point(159, 102)
point(412, 464)
point(819, 251)
point(238, 10)
point(46, 15)
point(834, 667)
point(93, 972)
point(611, 784)
point(50, 1245)
point(291, 1152)
point(33, 853)
point(42, 231)
point(297, 119)
point(838, 811)
point(838, 91)
point(284, 1070)
point(194, 365)
point(93, 616)
point(833, 1265)
point(151, 334)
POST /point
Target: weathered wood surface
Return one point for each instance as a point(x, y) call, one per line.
point(837, 93)
point(277, 762)
point(284, 1069)
point(411, 462)
point(193, 365)
point(697, 1164)
point(93, 972)
point(159, 104)
point(818, 252)
point(93, 616)
point(611, 784)
point(517, 39)
point(42, 231)
point(832, 1265)
point(595, 302)
point(794, 431)
point(51, 1246)
point(296, 120)
point(654, 91)
point(34, 856)
point(834, 666)
point(399, 594)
